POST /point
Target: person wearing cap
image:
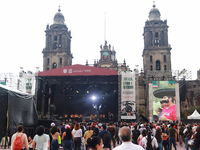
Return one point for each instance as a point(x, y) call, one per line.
point(67, 138)
point(169, 110)
point(142, 128)
point(125, 136)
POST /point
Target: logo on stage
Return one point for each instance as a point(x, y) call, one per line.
point(64, 70)
point(70, 70)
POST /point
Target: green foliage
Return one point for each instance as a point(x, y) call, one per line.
point(182, 115)
point(141, 111)
point(192, 109)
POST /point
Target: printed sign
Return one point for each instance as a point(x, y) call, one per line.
point(128, 95)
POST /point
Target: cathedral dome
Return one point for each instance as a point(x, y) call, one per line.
point(154, 14)
point(59, 18)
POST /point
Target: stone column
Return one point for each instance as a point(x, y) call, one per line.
point(137, 93)
point(177, 102)
point(150, 102)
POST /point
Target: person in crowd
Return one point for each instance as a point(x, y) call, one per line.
point(106, 137)
point(95, 132)
point(153, 129)
point(172, 136)
point(51, 125)
point(158, 137)
point(67, 138)
point(142, 128)
point(188, 135)
point(20, 135)
point(196, 138)
point(40, 139)
point(135, 134)
point(82, 138)
point(61, 129)
point(139, 140)
point(165, 139)
point(30, 142)
point(181, 135)
point(111, 129)
point(125, 136)
point(87, 135)
point(95, 143)
point(77, 134)
point(149, 141)
point(116, 133)
point(54, 133)
point(169, 110)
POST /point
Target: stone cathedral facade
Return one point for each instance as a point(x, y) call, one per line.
point(156, 57)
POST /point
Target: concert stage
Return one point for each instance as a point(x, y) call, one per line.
point(78, 91)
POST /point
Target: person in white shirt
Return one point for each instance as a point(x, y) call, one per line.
point(77, 134)
point(125, 136)
point(149, 136)
point(142, 128)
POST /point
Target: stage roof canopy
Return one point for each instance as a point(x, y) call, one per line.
point(77, 70)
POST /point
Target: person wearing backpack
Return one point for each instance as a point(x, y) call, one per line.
point(19, 140)
point(165, 139)
point(135, 134)
point(149, 142)
point(106, 137)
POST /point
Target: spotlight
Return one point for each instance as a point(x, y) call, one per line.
point(94, 98)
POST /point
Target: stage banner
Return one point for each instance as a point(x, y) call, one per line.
point(128, 95)
point(164, 101)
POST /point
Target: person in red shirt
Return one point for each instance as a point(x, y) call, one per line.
point(169, 110)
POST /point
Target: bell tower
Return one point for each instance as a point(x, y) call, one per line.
point(57, 52)
point(107, 58)
point(157, 51)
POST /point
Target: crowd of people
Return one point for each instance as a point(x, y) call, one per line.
point(107, 136)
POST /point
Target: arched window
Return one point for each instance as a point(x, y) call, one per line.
point(60, 61)
point(157, 65)
point(54, 65)
point(48, 61)
point(151, 67)
point(151, 58)
point(164, 58)
point(165, 67)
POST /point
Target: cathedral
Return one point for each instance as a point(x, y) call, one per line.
point(156, 58)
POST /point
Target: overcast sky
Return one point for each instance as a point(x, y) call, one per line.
point(23, 23)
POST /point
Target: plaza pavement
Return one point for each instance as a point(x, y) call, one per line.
point(178, 148)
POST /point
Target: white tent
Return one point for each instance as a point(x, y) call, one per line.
point(194, 115)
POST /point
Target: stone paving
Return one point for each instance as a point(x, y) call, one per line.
point(178, 148)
